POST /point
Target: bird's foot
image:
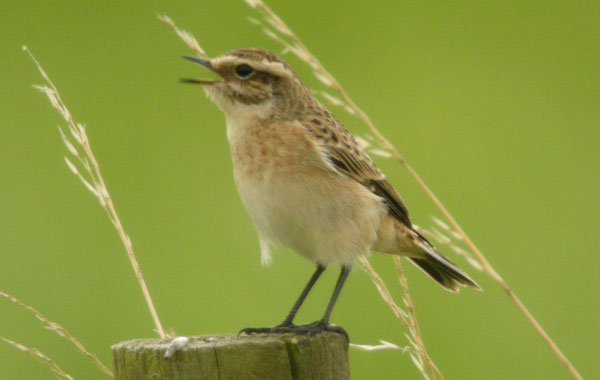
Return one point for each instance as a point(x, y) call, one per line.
point(283, 328)
point(310, 329)
point(318, 327)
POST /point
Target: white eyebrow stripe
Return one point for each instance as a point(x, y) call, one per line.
point(276, 68)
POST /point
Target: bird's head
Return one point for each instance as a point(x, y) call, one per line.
point(251, 80)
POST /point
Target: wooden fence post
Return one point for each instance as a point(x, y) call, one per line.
point(272, 357)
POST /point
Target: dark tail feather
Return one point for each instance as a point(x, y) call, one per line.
point(438, 267)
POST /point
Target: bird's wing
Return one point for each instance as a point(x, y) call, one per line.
point(348, 158)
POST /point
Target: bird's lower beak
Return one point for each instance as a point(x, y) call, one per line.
point(203, 62)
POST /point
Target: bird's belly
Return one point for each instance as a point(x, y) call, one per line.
point(321, 215)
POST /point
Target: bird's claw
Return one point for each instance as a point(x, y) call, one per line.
point(310, 329)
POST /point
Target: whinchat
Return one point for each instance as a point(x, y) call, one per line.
point(306, 181)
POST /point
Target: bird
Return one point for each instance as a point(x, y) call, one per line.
point(306, 181)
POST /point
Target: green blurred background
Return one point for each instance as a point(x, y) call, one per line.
point(496, 104)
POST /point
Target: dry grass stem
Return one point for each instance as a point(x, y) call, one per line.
point(60, 331)
point(417, 352)
point(415, 330)
point(382, 346)
point(184, 35)
point(88, 172)
point(384, 292)
point(39, 356)
point(275, 28)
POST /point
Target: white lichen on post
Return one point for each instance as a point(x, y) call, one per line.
point(282, 357)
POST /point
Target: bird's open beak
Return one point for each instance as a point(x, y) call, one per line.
point(203, 62)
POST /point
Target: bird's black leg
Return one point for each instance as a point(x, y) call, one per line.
point(287, 322)
point(313, 279)
point(323, 323)
point(312, 328)
point(336, 293)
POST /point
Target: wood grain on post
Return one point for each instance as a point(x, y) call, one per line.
point(273, 357)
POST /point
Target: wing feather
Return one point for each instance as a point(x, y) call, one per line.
point(348, 158)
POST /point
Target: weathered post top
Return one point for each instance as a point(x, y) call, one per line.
point(264, 357)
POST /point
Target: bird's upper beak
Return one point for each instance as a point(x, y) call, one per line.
point(204, 62)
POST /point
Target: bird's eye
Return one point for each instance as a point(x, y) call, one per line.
point(244, 71)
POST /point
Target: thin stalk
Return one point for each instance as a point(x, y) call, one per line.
point(61, 331)
point(97, 185)
point(422, 360)
point(412, 313)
